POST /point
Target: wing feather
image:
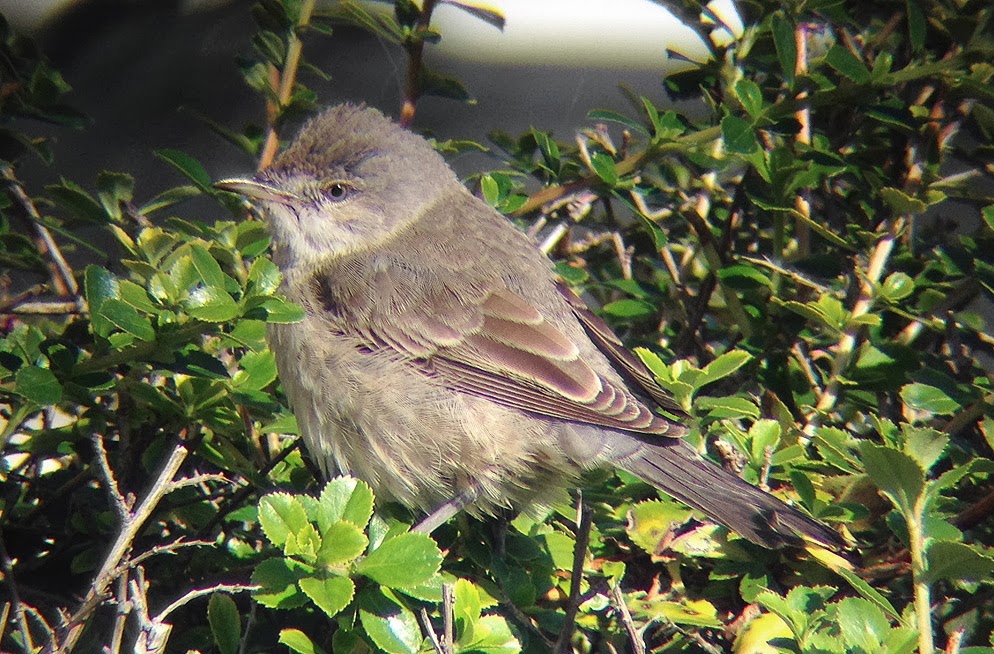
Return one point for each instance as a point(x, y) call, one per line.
point(491, 342)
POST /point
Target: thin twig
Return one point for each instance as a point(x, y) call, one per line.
point(120, 504)
point(415, 64)
point(121, 619)
point(63, 275)
point(230, 589)
point(168, 548)
point(846, 348)
point(287, 79)
point(20, 612)
point(4, 616)
point(112, 566)
point(448, 615)
point(634, 637)
point(803, 115)
point(627, 165)
point(46, 308)
point(153, 636)
point(429, 631)
point(576, 578)
point(553, 238)
point(31, 292)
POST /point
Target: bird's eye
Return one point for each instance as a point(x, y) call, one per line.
point(336, 191)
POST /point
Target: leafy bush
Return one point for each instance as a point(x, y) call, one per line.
point(799, 265)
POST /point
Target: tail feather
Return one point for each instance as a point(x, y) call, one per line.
point(758, 516)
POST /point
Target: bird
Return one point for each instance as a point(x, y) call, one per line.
point(442, 360)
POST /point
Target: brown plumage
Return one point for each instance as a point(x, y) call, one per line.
point(438, 352)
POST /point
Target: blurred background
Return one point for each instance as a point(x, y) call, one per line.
point(553, 61)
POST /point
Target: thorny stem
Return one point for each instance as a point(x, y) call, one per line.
point(283, 84)
point(20, 612)
point(70, 633)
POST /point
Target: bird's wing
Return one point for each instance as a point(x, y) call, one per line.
point(496, 345)
point(621, 357)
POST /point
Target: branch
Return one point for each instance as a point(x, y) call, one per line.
point(283, 85)
point(69, 634)
point(415, 64)
point(846, 348)
point(62, 275)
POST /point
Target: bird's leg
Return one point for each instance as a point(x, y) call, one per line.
point(443, 513)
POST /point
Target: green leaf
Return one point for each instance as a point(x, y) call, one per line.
point(629, 308)
point(957, 561)
point(73, 198)
point(99, 285)
point(605, 168)
point(988, 216)
point(929, 398)
point(466, 608)
point(303, 543)
point(846, 64)
point(391, 626)
point(38, 385)
point(341, 542)
point(444, 86)
point(258, 371)
point(168, 198)
point(722, 367)
point(121, 315)
point(764, 434)
point(895, 473)
point(490, 190)
point(925, 445)
point(869, 593)
point(114, 189)
point(278, 578)
point(726, 407)
point(864, 626)
point(649, 522)
point(897, 286)
point(738, 135)
point(281, 514)
point(560, 549)
point(743, 278)
point(281, 312)
point(188, 166)
point(491, 635)
point(405, 560)
point(549, 149)
point(298, 642)
point(900, 202)
point(783, 41)
point(331, 595)
point(751, 97)
point(345, 498)
point(614, 117)
point(226, 627)
point(212, 304)
point(207, 267)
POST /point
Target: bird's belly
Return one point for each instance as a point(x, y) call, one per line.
point(412, 440)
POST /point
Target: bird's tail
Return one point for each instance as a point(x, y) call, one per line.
point(758, 516)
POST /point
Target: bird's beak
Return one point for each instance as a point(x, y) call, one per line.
point(255, 190)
